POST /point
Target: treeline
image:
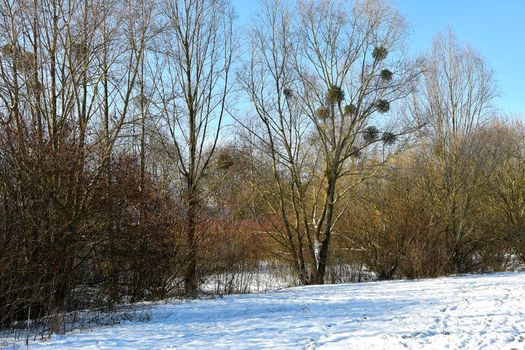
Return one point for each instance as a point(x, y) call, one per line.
point(428, 215)
point(130, 170)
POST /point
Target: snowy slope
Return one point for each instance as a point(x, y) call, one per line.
point(470, 312)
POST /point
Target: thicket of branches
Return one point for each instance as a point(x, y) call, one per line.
point(122, 178)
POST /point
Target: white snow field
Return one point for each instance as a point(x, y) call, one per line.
point(463, 312)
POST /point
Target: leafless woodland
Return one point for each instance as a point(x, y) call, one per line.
point(147, 145)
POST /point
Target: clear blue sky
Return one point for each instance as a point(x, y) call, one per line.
point(496, 28)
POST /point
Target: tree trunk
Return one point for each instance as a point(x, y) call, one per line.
point(325, 244)
point(190, 273)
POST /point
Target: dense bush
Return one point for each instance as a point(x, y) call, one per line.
point(73, 237)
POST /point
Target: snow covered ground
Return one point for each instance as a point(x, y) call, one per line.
point(464, 312)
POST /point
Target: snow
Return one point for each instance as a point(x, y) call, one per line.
point(462, 312)
point(267, 276)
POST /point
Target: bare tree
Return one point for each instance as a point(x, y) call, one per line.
point(318, 76)
point(67, 73)
point(192, 83)
point(455, 101)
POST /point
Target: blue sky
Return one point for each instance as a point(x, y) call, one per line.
point(496, 28)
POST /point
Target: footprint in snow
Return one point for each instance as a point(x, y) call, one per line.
point(310, 345)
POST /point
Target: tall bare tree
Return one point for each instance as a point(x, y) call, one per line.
point(192, 84)
point(318, 75)
point(67, 71)
point(455, 101)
